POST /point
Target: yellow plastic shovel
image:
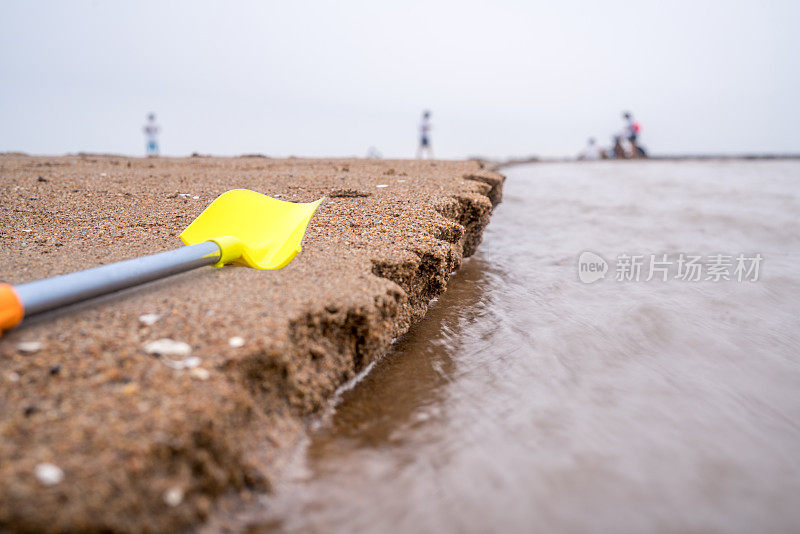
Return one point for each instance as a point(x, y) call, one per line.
point(240, 226)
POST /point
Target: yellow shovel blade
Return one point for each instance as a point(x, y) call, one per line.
point(252, 229)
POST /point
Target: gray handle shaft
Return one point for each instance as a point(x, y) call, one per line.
point(51, 293)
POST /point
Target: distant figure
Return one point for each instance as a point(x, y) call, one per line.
point(631, 133)
point(631, 127)
point(151, 129)
point(424, 135)
point(592, 151)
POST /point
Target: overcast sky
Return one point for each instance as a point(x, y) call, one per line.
point(334, 78)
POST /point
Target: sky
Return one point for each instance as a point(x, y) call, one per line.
point(502, 78)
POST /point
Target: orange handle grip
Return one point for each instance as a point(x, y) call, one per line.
point(11, 309)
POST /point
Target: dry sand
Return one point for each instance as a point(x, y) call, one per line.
point(137, 445)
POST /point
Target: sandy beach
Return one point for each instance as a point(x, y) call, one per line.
point(141, 445)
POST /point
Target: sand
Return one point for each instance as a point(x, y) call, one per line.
point(97, 434)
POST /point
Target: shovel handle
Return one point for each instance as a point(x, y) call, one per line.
point(50, 293)
point(11, 310)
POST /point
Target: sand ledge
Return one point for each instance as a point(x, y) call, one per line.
point(146, 447)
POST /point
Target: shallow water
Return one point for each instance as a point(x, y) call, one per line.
point(529, 401)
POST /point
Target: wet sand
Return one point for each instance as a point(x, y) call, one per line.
point(143, 446)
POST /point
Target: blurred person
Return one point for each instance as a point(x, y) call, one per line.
point(424, 136)
point(631, 133)
point(151, 130)
point(592, 151)
point(632, 127)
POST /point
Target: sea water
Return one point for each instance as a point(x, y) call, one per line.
point(618, 391)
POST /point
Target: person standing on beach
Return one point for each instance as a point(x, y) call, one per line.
point(631, 127)
point(151, 129)
point(424, 135)
point(631, 133)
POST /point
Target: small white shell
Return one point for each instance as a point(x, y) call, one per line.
point(29, 346)
point(149, 319)
point(167, 347)
point(200, 373)
point(48, 474)
point(173, 496)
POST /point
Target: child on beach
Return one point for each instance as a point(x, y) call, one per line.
point(151, 129)
point(424, 135)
